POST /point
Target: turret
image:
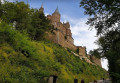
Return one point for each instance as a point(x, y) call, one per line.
point(56, 16)
point(66, 25)
point(41, 9)
point(68, 31)
point(82, 50)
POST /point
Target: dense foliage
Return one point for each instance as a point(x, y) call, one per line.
point(110, 48)
point(105, 18)
point(95, 53)
point(23, 60)
point(26, 59)
point(25, 19)
point(105, 14)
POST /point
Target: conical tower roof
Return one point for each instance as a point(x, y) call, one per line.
point(41, 8)
point(42, 5)
point(57, 11)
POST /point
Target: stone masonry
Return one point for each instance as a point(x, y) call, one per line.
point(62, 33)
point(96, 60)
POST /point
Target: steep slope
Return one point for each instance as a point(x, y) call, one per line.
point(23, 60)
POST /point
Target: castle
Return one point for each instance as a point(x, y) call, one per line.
point(62, 33)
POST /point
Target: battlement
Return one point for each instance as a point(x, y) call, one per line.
point(41, 8)
point(66, 25)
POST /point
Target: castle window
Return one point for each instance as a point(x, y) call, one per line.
point(55, 23)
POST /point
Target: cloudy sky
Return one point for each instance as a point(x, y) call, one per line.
point(71, 12)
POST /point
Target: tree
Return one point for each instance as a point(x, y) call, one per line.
point(95, 53)
point(7, 12)
point(17, 12)
point(26, 19)
point(105, 14)
point(105, 18)
point(23, 16)
point(40, 24)
point(109, 45)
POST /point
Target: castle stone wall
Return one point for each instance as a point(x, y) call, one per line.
point(70, 39)
point(70, 46)
point(59, 38)
point(63, 36)
point(82, 50)
point(55, 17)
point(97, 61)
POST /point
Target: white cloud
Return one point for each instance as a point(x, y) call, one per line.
point(105, 64)
point(47, 14)
point(2, 1)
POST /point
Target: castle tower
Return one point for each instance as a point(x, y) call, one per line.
point(41, 8)
point(68, 31)
point(56, 16)
point(82, 50)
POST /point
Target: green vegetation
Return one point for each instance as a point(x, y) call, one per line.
point(23, 60)
point(105, 18)
point(25, 19)
point(26, 57)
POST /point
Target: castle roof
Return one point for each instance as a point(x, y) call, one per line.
point(57, 11)
point(41, 8)
point(42, 5)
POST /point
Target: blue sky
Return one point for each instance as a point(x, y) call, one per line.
point(70, 11)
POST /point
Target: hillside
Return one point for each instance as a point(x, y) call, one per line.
point(23, 60)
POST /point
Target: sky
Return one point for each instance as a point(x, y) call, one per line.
point(71, 12)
